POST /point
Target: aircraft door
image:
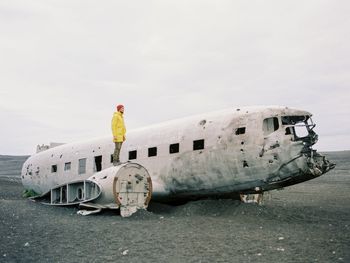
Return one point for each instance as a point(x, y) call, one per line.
point(271, 137)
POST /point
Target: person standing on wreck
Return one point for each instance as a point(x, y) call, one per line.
point(119, 131)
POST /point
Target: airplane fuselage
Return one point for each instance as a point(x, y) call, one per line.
point(223, 153)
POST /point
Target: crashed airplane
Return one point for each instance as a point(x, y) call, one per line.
point(226, 154)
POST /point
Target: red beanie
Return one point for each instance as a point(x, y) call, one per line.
point(119, 107)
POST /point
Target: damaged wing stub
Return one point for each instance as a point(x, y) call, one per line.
point(127, 187)
point(72, 193)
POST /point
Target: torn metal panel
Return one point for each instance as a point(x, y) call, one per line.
point(73, 193)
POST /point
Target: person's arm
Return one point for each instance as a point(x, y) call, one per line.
point(114, 128)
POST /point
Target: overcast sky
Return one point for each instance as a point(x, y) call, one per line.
point(65, 65)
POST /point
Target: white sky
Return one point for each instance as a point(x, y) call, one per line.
point(64, 65)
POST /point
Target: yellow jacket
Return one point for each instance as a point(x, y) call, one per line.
point(118, 127)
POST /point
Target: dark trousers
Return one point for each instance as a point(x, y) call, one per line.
point(118, 146)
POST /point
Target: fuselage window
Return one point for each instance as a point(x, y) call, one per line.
point(98, 163)
point(53, 168)
point(152, 151)
point(132, 155)
point(240, 131)
point(67, 166)
point(82, 166)
point(270, 125)
point(198, 145)
point(174, 148)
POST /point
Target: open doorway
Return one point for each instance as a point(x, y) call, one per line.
point(98, 163)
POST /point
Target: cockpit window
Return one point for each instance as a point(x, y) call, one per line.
point(292, 120)
point(270, 125)
point(301, 128)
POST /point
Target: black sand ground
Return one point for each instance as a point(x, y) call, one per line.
point(309, 222)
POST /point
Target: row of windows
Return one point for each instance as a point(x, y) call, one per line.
point(269, 125)
point(67, 167)
point(82, 165)
point(173, 148)
point(152, 151)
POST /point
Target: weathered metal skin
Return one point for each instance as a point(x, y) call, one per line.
point(246, 150)
point(248, 163)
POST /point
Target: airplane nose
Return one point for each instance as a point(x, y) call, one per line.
point(319, 164)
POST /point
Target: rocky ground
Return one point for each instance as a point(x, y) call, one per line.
point(309, 222)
